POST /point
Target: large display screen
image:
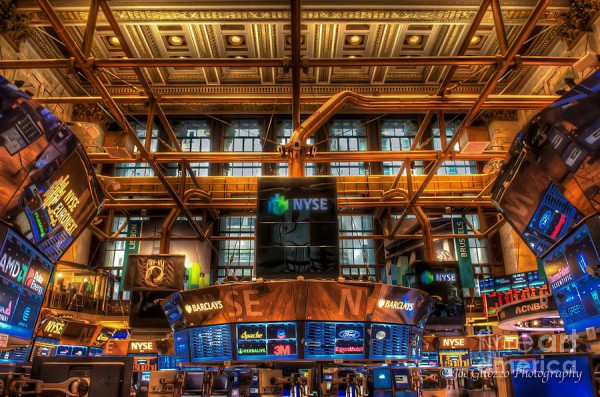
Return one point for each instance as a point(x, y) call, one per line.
point(24, 276)
point(49, 190)
point(14, 356)
point(389, 341)
point(273, 341)
point(498, 291)
point(297, 228)
point(95, 352)
point(181, 346)
point(331, 340)
point(482, 358)
point(210, 343)
point(429, 359)
point(568, 375)
point(44, 347)
point(576, 291)
point(166, 362)
point(442, 280)
point(458, 358)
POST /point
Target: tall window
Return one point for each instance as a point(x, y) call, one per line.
point(347, 135)
point(397, 136)
point(243, 136)
point(284, 132)
point(141, 169)
point(193, 136)
point(451, 167)
point(356, 253)
point(237, 255)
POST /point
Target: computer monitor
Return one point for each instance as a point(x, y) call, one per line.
point(106, 376)
point(401, 378)
point(193, 382)
point(382, 379)
point(551, 375)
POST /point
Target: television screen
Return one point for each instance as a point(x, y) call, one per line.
point(331, 340)
point(458, 358)
point(210, 343)
point(166, 362)
point(261, 341)
point(49, 190)
point(401, 378)
point(506, 289)
point(575, 290)
point(44, 347)
point(146, 311)
point(71, 351)
point(24, 276)
point(181, 346)
point(482, 358)
point(297, 228)
point(552, 376)
point(429, 359)
point(95, 352)
point(194, 382)
point(17, 355)
point(382, 378)
point(389, 341)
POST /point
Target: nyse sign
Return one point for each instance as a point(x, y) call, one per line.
point(452, 343)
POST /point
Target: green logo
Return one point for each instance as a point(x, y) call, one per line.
point(278, 205)
point(427, 277)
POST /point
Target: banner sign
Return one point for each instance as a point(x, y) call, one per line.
point(297, 228)
point(463, 253)
point(284, 301)
point(134, 229)
point(49, 189)
point(155, 273)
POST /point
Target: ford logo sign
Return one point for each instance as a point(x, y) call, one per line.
point(349, 334)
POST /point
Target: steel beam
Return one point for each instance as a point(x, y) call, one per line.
point(90, 28)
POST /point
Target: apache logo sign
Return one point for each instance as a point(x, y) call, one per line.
point(252, 335)
point(532, 307)
point(395, 305)
point(155, 272)
point(279, 205)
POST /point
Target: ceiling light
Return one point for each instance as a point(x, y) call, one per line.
point(352, 56)
point(235, 40)
point(475, 40)
point(414, 39)
point(240, 57)
point(175, 40)
point(354, 40)
point(114, 41)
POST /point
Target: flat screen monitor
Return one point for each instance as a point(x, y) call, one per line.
point(458, 358)
point(193, 382)
point(273, 341)
point(107, 376)
point(44, 347)
point(482, 358)
point(382, 379)
point(429, 359)
point(17, 355)
point(210, 343)
point(401, 379)
point(145, 376)
point(389, 341)
point(166, 362)
point(181, 346)
point(552, 376)
point(71, 351)
point(334, 340)
point(95, 352)
point(576, 292)
point(24, 276)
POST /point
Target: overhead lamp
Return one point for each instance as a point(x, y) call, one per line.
point(351, 56)
point(114, 41)
point(475, 40)
point(176, 40)
point(414, 39)
point(354, 39)
point(235, 40)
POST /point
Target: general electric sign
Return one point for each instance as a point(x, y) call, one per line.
point(279, 205)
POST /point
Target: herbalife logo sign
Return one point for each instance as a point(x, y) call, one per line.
point(279, 205)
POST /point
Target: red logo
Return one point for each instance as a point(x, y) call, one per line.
point(30, 277)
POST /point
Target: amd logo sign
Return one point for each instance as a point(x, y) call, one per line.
point(453, 342)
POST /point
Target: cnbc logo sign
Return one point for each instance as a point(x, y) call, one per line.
point(279, 205)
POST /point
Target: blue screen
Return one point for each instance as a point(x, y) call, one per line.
point(166, 362)
point(389, 341)
point(14, 356)
point(401, 378)
point(482, 358)
point(552, 376)
point(326, 340)
point(210, 343)
point(274, 341)
point(71, 351)
point(95, 352)
point(382, 378)
point(181, 346)
point(429, 359)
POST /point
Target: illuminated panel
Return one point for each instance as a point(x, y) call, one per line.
point(389, 341)
point(455, 358)
point(181, 346)
point(44, 347)
point(71, 351)
point(95, 352)
point(166, 362)
point(429, 359)
point(24, 276)
point(211, 343)
point(482, 358)
point(14, 356)
point(259, 341)
point(326, 340)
